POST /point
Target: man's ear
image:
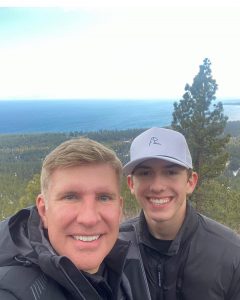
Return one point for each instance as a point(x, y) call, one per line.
point(130, 183)
point(42, 209)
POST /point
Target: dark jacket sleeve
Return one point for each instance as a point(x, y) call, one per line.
point(234, 291)
point(5, 295)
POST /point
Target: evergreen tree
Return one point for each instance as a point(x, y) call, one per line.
point(202, 122)
point(31, 191)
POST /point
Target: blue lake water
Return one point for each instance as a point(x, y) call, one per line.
point(89, 115)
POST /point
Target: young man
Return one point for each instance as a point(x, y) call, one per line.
point(65, 247)
point(176, 253)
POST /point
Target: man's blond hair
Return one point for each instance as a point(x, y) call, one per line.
point(78, 152)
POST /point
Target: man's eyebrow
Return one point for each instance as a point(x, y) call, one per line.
point(67, 192)
point(111, 194)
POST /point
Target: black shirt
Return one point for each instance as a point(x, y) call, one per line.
point(153, 252)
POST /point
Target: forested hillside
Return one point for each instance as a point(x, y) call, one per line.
point(21, 157)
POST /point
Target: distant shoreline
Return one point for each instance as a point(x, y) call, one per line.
point(18, 117)
point(231, 103)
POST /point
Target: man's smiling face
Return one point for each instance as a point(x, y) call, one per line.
point(81, 211)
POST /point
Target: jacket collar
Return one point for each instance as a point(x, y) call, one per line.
point(14, 239)
point(24, 235)
point(115, 262)
point(187, 229)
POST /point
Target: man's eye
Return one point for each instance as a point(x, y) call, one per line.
point(104, 198)
point(70, 197)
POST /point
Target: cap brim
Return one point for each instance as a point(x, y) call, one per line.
point(129, 167)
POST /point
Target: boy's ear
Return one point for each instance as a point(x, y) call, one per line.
point(121, 209)
point(130, 183)
point(192, 182)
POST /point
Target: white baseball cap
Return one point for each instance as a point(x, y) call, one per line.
point(160, 143)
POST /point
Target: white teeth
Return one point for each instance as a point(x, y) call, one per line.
point(86, 238)
point(159, 201)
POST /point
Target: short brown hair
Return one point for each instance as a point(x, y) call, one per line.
point(77, 152)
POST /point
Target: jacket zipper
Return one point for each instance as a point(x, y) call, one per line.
point(160, 279)
point(159, 268)
point(73, 284)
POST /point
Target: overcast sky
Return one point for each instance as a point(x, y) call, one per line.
point(116, 49)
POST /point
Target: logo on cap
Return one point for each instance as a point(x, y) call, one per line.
point(154, 140)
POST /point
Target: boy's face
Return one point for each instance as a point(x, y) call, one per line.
point(81, 211)
point(161, 188)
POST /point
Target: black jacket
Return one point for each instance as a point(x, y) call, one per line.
point(30, 270)
point(202, 263)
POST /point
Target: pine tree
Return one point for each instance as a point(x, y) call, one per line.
point(202, 122)
point(31, 191)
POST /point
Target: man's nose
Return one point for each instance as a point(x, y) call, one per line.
point(88, 212)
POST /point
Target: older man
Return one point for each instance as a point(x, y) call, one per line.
point(66, 247)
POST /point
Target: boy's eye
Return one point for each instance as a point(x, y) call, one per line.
point(172, 172)
point(142, 172)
